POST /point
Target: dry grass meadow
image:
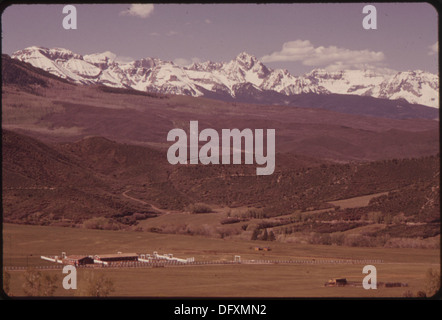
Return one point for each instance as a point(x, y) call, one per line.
point(23, 246)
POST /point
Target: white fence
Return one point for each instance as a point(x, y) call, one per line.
point(155, 263)
point(55, 259)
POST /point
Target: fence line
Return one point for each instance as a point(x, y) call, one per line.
point(169, 263)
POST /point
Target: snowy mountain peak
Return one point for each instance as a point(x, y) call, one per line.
point(247, 60)
point(53, 54)
point(147, 63)
point(205, 66)
point(101, 59)
point(60, 53)
point(244, 72)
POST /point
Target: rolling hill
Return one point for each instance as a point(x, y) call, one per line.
point(99, 183)
point(56, 111)
point(95, 156)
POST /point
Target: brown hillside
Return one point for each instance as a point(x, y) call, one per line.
point(55, 111)
point(95, 157)
point(42, 185)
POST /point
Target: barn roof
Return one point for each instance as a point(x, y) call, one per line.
point(76, 257)
point(117, 255)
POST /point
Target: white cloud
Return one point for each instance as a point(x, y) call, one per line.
point(124, 59)
point(172, 33)
point(330, 58)
point(154, 34)
point(183, 62)
point(433, 49)
point(208, 21)
point(139, 10)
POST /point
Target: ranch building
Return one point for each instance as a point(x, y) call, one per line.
point(77, 260)
point(117, 257)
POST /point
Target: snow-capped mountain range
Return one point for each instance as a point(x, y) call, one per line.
point(229, 78)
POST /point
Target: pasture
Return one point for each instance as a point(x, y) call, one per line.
point(23, 246)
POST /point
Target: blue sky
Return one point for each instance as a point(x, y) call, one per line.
point(298, 37)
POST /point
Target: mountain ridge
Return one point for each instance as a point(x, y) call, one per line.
point(227, 78)
point(333, 127)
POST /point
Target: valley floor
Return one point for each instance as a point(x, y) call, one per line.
point(23, 245)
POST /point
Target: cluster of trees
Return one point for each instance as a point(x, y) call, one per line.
point(199, 208)
point(432, 286)
point(101, 223)
point(259, 234)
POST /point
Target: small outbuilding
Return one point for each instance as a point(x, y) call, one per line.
point(262, 249)
point(116, 257)
point(338, 282)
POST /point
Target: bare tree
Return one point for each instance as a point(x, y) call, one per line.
point(6, 282)
point(96, 285)
point(433, 282)
point(37, 284)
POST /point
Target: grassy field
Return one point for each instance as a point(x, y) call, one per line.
point(356, 201)
point(23, 245)
point(237, 281)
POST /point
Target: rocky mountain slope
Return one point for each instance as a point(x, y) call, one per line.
point(230, 80)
